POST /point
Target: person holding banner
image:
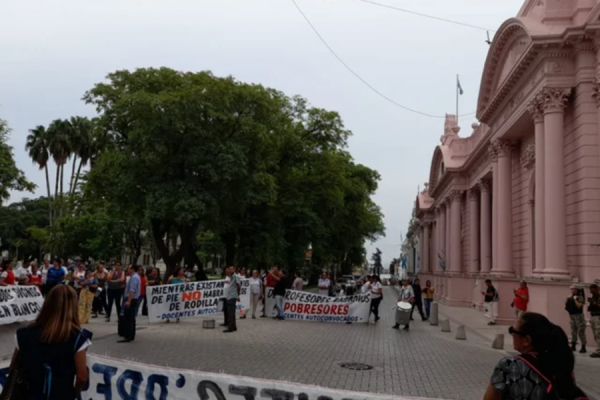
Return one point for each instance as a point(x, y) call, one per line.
point(232, 296)
point(324, 285)
point(7, 278)
point(279, 293)
point(178, 277)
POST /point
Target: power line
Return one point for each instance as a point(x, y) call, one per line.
point(367, 84)
point(450, 21)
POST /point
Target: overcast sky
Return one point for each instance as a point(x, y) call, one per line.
point(53, 51)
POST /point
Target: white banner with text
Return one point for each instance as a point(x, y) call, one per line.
point(125, 380)
point(306, 306)
point(184, 300)
point(19, 303)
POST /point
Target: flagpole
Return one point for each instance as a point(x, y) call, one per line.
point(457, 95)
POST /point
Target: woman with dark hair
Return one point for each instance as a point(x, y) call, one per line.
point(52, 351)
point(542, 370)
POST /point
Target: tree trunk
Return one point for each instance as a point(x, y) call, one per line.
point(159, 230)
point(62, 177)
point(228, 239)
point(49, 194)
point(56, 191)
point(77, 176)
point(72, 173)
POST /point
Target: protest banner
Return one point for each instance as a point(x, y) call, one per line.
point(184, 300)
point(305, 306)
point(270, 309)
point(118, 379)
point(19, 303)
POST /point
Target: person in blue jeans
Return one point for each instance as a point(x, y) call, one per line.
point(279, 293)
point(428, 297)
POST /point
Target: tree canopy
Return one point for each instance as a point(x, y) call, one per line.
point(11, 178)
point(266, 173)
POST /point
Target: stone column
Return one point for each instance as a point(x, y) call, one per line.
point(442, 232)
point(474, 262)
point(535, 109)
point(455, 232)
point(554, 104)
point(425, 253)
point(504, 210)
point(485, 227)
point(448, 232)
point(493, 154)
point(436, 249)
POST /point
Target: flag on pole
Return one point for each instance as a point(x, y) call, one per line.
point(458, 87)
point(441, 262)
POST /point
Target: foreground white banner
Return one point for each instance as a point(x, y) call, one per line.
point(305, 306)
point(185, 300)
point(19, 303)
point(112, 379)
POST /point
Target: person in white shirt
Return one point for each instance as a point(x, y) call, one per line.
point(364, 289)
point(407, 294)
point(22, 272)
point(376, 291)
point(324, 284)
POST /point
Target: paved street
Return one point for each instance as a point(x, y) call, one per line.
point(423, 362)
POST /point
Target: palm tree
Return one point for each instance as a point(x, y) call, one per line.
point(59, 145)
point(84, 148)
point(37, 146)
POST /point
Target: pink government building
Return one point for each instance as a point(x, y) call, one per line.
point(519, 196)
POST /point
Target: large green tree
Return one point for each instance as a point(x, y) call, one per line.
point(265, 173)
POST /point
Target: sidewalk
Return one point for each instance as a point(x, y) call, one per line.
point(475, 322)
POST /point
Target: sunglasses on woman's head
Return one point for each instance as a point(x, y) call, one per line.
point(513, 331)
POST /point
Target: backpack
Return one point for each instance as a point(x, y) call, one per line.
point(551, 393)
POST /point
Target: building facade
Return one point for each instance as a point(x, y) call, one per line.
point(519, 196)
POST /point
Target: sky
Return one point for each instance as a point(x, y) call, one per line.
point(53, 51)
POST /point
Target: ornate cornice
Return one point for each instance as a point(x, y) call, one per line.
point(528, 156)
point(555, 99)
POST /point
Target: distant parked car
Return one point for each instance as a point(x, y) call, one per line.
point(349, 282)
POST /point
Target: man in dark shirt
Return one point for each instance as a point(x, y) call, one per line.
point(418, 303)
point(491, 301)
point(279, 292)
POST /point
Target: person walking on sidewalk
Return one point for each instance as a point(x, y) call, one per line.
point(491, 301)
point(418, 303)
point(407, 294)
point(574, 306)
point(376, 296)
point(521, 299)
point(594, 309)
